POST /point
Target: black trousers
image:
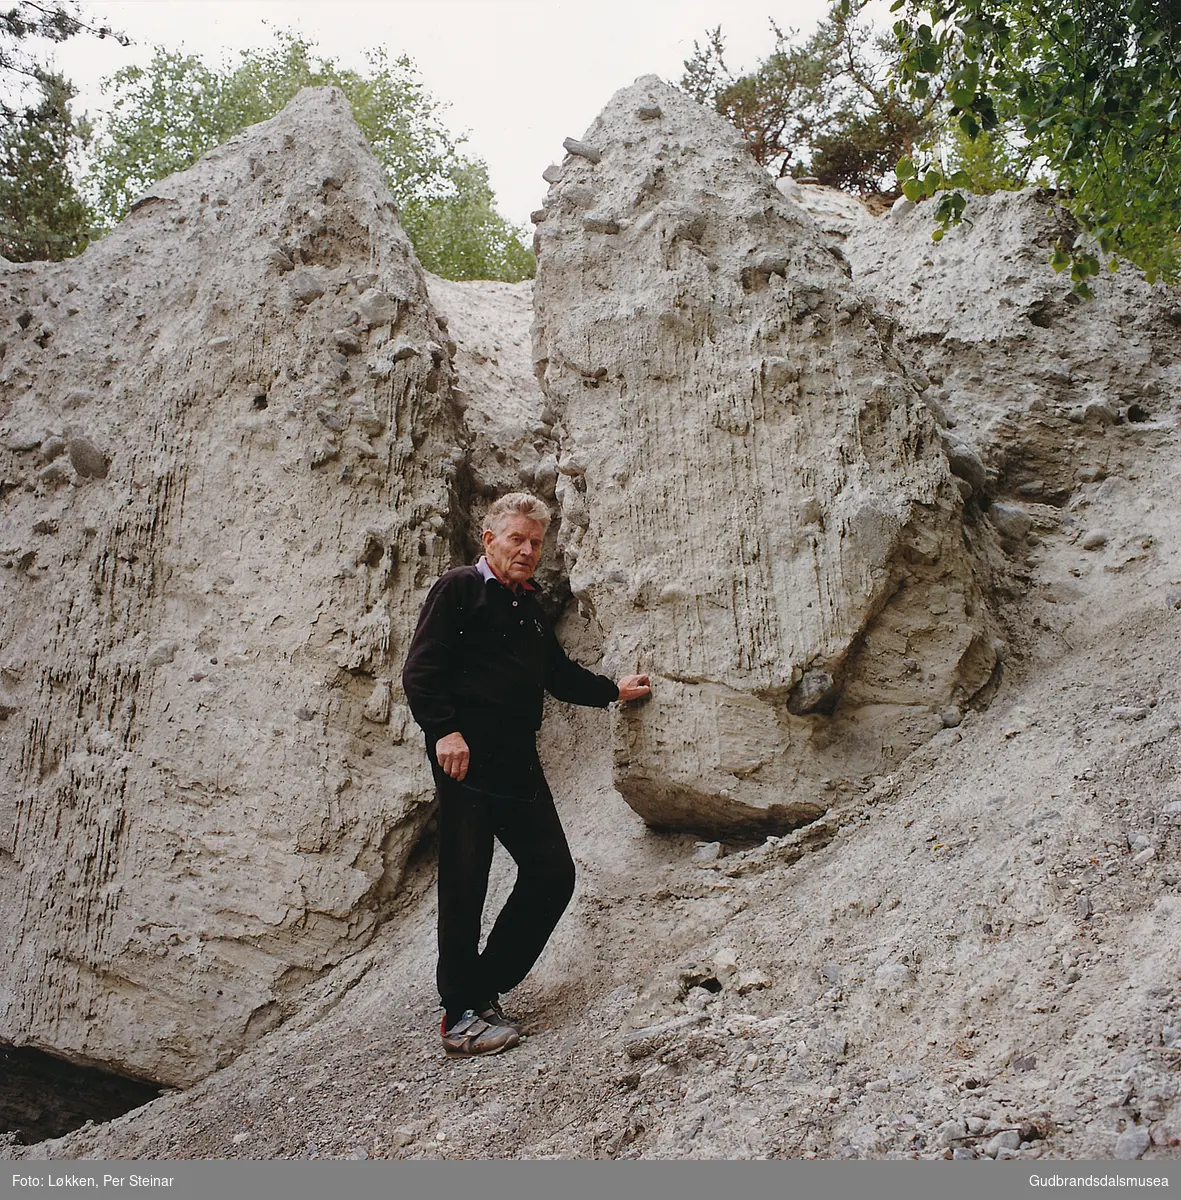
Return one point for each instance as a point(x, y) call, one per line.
point(505, 798)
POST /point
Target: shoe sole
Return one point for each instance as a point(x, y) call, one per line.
point(467, 1052)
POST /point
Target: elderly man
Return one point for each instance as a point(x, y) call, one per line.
point(482, 658)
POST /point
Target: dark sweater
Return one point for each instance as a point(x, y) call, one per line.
point(482, 658)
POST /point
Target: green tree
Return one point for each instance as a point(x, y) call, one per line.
point(49, 22)
point(42, 214)
point(166, 115)
point(1094, 89)
point(777, 107)
point(993, 160)
point(823, 107)
point(465, 232)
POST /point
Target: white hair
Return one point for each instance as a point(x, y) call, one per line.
point(516, 504)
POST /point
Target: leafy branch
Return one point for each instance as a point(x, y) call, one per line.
point(1092, 88)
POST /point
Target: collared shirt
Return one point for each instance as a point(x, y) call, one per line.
point(485, 569)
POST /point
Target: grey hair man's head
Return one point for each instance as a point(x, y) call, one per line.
point(516, 504)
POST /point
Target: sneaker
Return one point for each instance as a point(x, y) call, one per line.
point(472, 1035)
point(495, 1015)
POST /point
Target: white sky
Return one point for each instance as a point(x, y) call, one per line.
point(518, 75)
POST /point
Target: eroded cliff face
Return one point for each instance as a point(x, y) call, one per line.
point(756, 508)
point(1044, 389)
point(228, 455)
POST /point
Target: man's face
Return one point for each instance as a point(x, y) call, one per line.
point(513, 550)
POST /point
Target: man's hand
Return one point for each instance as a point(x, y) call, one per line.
point(632, 687)
point(453, 755)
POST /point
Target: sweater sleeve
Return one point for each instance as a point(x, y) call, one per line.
point(431, 662)
point(566, 680)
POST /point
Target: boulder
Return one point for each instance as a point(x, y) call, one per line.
point(762, 517)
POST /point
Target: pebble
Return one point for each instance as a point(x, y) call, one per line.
point(545, 477)
point(965, 462)
point(55, 473)
point(866, 1140)
point(648, 112)
point(571, 464)
point(963, 1154)
point(402, 1136)
point(751, 981)
point(279, 260)
point(582, 149)
point(1094, 539)
point(578, 195)
point(331, 420)
point(403, 350)
point(347, 341)
point(813, 690)
point(697, 998)
point(305, 287)
point(552, 173)
point(161, 653)
point(725, 964)
point(901, 207)
point(376, 308)
point(1083, 906)
point(599, 223)
point(87, 459)
point(1132, 1142)
point(1007, 1139)
point(1172, 811)
point(1129, 712)
point(976, 1125)
point(951, 717)
point(1010, 521)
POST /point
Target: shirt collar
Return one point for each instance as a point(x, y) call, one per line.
point(485, 569)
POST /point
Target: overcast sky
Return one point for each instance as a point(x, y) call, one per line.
point(518, 75)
